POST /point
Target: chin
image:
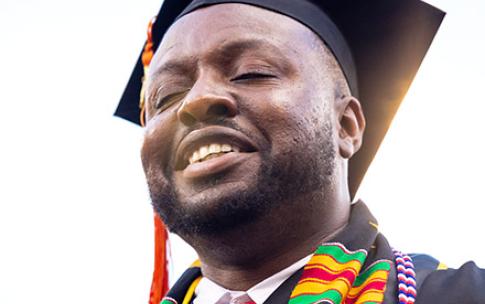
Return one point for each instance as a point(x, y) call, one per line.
point(214, 196)
point(213, 205)
point(222, 206)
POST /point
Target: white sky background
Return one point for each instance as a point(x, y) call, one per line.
point(75, 219)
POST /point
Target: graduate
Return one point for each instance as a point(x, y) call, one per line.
point(261, 118)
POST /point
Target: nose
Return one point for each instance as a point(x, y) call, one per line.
point(206, 101)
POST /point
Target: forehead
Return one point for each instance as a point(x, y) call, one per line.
point(206, 29)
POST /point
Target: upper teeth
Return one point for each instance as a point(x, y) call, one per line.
point(207, 150)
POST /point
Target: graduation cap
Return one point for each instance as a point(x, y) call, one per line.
point(379, 45)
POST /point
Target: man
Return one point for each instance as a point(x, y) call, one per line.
point(253, 110)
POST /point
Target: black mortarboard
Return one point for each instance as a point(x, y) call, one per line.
point(379, 44)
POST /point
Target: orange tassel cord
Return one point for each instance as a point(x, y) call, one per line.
point(146, 58)
point(160, 273)
point(147, 55)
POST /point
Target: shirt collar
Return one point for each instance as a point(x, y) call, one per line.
point(209, 292)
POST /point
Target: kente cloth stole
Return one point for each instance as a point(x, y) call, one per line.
point(334, 275)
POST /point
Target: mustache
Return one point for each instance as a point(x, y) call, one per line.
point(220, 122)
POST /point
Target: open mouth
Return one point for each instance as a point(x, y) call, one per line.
point(211, 151)
point(210, 143)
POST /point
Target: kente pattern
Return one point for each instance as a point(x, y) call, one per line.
point(168, 300)
point(333, 275)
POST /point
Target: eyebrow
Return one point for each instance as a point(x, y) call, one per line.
point(224, 55)
point(229, 51)
point(175, 66)
point(242, 45)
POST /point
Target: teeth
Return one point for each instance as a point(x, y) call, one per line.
point(226, 148)
point(211, 150)
point(203, 152)
point(214, 148)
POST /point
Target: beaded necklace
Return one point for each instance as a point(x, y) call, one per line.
point(406, 277)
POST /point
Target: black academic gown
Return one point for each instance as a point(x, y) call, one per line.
point(465, 285)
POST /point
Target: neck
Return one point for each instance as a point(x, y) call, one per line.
point(243, 257)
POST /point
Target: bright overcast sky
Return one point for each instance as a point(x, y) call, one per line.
point(75, 219)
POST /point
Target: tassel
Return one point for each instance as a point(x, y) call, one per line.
point(147, 55)
point(160, 273)
point(146, 58)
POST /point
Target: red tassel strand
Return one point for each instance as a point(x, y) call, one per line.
point(160, 273)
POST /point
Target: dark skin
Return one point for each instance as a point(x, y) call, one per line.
point(268, 91)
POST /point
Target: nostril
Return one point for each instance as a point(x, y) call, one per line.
point(187, 119)
point(205, 108)
point(218, 110)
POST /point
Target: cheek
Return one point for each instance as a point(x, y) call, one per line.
point(290, 117)
point(157, 147)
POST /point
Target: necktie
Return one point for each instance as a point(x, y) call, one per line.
point(244, 299)
point(228, 299)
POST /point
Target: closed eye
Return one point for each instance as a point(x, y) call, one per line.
point(250, 76)
point(167, 101)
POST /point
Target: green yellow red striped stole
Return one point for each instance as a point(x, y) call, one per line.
point(333, 275)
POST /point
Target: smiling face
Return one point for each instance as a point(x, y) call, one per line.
point(240, 119)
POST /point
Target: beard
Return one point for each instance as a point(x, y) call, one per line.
point(279, 180)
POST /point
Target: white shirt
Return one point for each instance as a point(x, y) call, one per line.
point(209, 292)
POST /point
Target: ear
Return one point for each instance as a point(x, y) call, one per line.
point(350, 124)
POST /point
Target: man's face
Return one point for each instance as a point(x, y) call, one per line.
point(239, 119)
